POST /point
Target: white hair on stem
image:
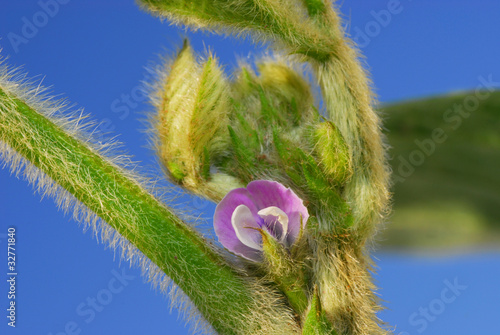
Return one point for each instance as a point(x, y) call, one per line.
point(268, 312)
point(78, 125)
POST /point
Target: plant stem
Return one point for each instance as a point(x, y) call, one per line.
point(106, 190)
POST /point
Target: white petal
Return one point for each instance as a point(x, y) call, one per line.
point(281, 216)
point(242, 221)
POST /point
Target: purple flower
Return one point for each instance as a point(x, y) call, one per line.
point(264, 204)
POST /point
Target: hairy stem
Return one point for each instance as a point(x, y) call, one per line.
point(341, 256)
point(283, 20)
point(126, 206)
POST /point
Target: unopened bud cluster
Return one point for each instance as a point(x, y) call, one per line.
point(216, 135)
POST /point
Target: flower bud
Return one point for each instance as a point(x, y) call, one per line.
point(332, 152)
point(192, 123)
point(290, 90)
point(279, 95)
point(278, 99)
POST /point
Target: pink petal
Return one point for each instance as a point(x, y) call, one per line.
point(224, 228)
point(266, 193)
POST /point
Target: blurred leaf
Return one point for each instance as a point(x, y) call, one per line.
point(446, 182)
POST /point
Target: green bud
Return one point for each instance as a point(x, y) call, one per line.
point(289, 89)
point(277, 101)
point(307, 172)
point(332, 151)
point(279, 95)
point(192, 123)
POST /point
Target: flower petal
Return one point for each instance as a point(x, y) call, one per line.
point(224, 228)
point(243, 222)
point(278, 216)
point(267, 193)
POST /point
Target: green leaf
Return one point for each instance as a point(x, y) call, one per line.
point(244, 157)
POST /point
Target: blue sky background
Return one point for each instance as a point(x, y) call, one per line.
point(94, 53)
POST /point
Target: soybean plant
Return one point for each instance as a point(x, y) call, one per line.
point(301, 190)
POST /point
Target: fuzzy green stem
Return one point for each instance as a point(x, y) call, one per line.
point(283, 22)
point(127, 207)
point(341, 263)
